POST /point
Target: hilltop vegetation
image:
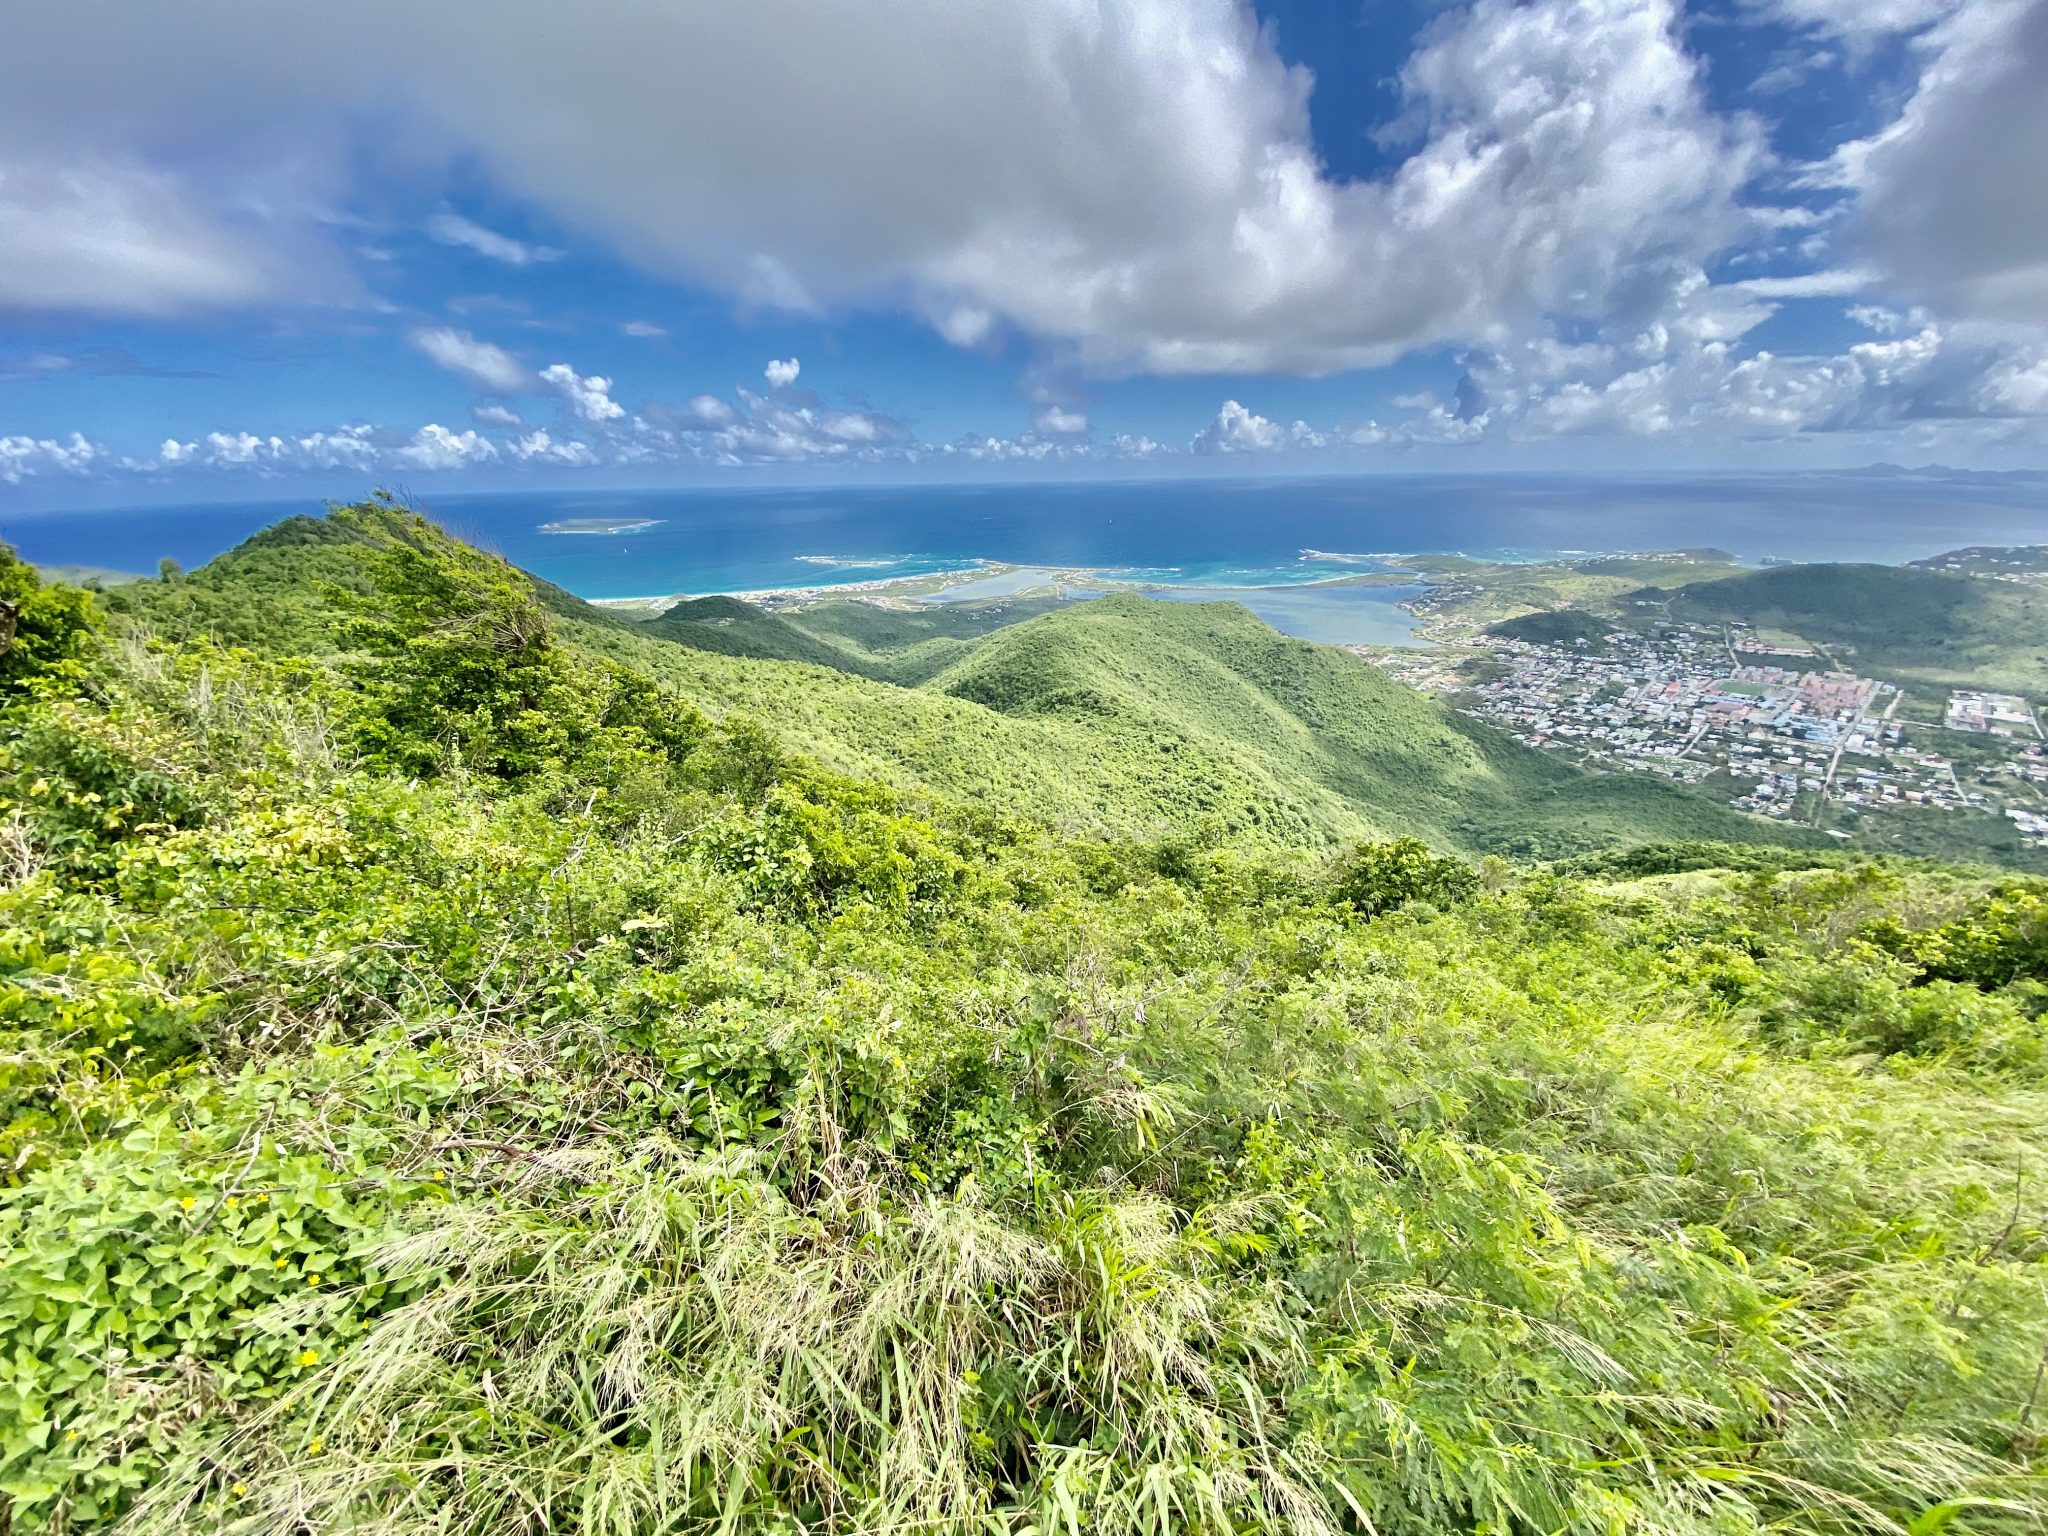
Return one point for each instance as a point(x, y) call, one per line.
point(458, 1082)
point(1555, 627)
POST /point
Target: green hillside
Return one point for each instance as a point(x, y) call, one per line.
point(888, 644)
point(455, 1081)
point(729, 627)
point(1118, 714)
point(1209, 688)
point(1554, 627)
point(1901, 623)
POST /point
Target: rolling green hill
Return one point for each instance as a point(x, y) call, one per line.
point(1900, 623)
point(887, 644)
point(729, 627)
point(1555, 627)
point(1117, 714)
point(1312, 727)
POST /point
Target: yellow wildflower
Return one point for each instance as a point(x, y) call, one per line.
point(308, 1357)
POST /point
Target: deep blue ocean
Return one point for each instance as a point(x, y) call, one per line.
point(1239, 538)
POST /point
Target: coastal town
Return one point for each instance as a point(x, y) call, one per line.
point(1779, 730)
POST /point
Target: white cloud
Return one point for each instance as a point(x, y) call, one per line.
point(496, 415)
point(781, 374)
point(1689, 374)
point(1836, 283)
point(1953, 201)
point(708, 411)
point(21, 457)
point(771, 429)
point(122, 239)
point(1056, 420)
point(482, 363)
point(589, 395)
point(435, 447)
point(1238, 430)
point(454, 229)
point(355, 447)
point(1160, 203)
point(643, 330)
point(359, 448)
point(541, 447)
point(1859, 21)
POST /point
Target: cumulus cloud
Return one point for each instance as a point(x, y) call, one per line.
point(1692, 375)
point(496, 415)
point(542, 446)
point(781, 374)
point(1238, 430)
point(486, 365)
point(701, 411)
point(357, 447)
point(435, 447)
point(589, 395)
point(454, 229)
point(1160, 204)
point(1953, 204)
point(21, 457)
point(1055, 420)
point(758, 428)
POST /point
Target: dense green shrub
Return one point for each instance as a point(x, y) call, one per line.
point(1380, 877)
point(45, 631)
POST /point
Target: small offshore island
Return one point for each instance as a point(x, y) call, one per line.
point(603, 525)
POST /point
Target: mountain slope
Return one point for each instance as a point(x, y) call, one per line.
point(729, 627)
point(1317, 726)
point(888, 644)
point(1118, 715)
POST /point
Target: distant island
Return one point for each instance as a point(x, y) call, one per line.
point(603, 525)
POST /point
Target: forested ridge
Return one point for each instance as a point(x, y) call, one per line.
point(474, 1064)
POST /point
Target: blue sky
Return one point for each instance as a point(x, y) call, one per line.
point(253, 245)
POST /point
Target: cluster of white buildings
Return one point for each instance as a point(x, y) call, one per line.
point(1995, 714)
point(1687, 703)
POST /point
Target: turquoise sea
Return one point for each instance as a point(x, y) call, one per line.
point(1198, 538)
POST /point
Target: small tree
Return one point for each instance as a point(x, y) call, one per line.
point(45, 631)
point(1378, 877)
point(467, 668)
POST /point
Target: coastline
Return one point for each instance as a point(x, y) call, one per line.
point(927, 586)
